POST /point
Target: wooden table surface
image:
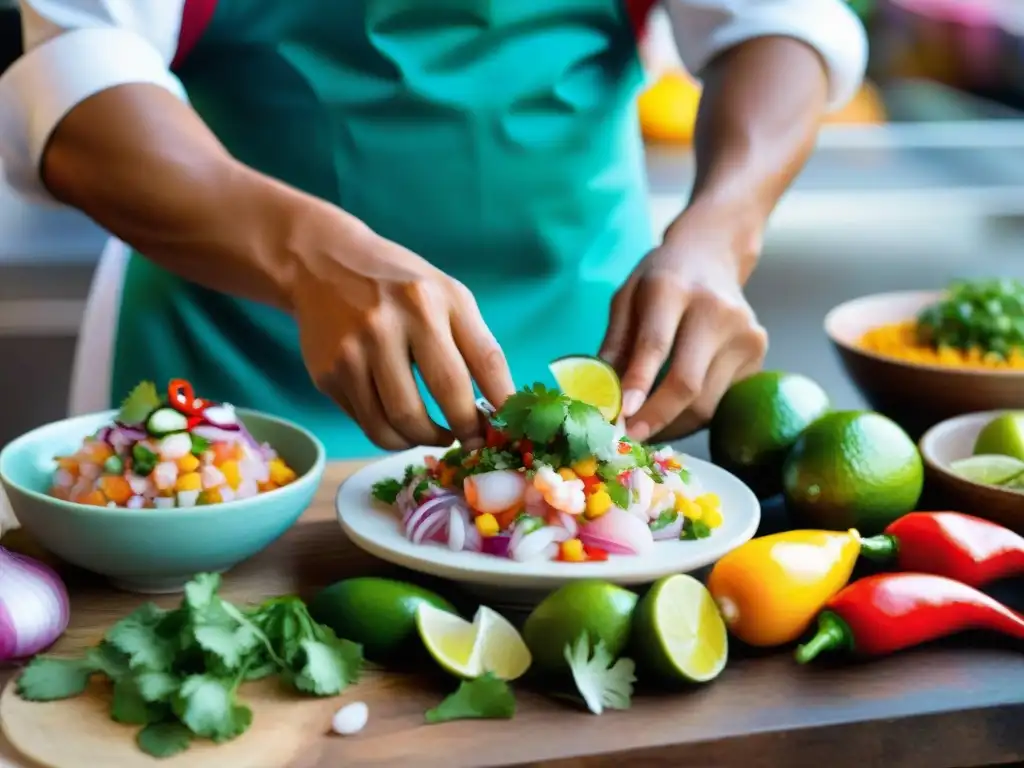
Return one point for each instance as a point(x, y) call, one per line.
point(943, 706)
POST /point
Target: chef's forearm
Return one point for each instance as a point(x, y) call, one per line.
point(758, 120)
point(144, 166)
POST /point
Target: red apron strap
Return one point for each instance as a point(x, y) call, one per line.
point(195, 17)
point(638, 12)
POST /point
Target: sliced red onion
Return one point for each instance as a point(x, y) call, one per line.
point(427, 526)
point(104, 435)
point(222, 416)
point(569, 523)
point(456, 530)
point(670, 531)
point(495, 545)
point(609, 546)
point(267, 452)
point(534, 545)
point(474, 541)
point(217, 435)
point(34, 609)
point(133, 431)
point(432, 503)
point(247, 436)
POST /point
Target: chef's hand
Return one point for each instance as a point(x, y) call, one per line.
point(683, 305)
point(366, 311)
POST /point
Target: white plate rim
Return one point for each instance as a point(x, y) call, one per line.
point(483, 569)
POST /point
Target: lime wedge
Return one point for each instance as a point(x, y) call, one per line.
point(591, 380)
point(488, 644)
point(679, 632)
point(1003, 435)
point(988, 469)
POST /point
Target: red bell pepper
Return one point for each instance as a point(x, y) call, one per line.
point(889, 612)
point(961, 547)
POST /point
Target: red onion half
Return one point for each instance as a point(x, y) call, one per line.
point(34, 608)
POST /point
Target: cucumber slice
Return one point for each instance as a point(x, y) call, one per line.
point(164, 421)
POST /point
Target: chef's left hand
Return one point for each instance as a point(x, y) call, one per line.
point(683, 305)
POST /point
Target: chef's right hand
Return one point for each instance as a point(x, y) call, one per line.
point(367, 310)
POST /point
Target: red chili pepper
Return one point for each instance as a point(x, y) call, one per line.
point(595, 553)
point(889, 612)
point(961, 547)
point(526, 451)
point(183, 398)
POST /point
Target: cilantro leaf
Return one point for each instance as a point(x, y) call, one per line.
point(587, 431)
point(536, 413)
point(201, 591)
point(486, 697)
point(164, 739)
point(207, 706)
point(129, 707)
point(138, 636)
point(48, 678)
point(157, 686)
point(618, 492)
point(601, 683)
point(109, 660)
point(694, 529)
point(386, 490)
point(326, 668)
point(665, 519)
point(141, 402)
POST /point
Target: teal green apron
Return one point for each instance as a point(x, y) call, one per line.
point(495, 138)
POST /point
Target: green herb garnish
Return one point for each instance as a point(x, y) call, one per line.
point(548, 418)
point(141, 402)
point(694, 529)
point(486, 697)
point(199, 445)
point(665, 519)
point(177, 672)
point(976, 314)
point(601, 683)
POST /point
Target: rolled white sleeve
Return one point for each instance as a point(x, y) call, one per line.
point(75, 49)
point(705, 28)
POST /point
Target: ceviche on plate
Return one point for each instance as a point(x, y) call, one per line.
point(555, 481)
point(170, 450)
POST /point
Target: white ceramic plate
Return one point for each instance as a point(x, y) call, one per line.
point(377, 529)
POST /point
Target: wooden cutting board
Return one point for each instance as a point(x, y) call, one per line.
point(286, 731)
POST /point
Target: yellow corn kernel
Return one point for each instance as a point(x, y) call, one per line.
point(280, 473)
point(233, 476)
point(712, 517)
point(585, 468)
point(598, 503)
point(267, 486)
point(687, 507)
point(567, 474)
point(188, 463)
point(487, 525)
point(572, 551)
point(190, 481)
point(708, 500)
point(210, 496)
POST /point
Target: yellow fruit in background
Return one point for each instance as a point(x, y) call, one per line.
point(866, 108)
point(668, 108)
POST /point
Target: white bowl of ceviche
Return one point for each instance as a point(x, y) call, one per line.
point(557, 494)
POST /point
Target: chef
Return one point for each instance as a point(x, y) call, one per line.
point(351, 213)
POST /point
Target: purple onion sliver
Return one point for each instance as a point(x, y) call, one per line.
point(670, 531)
point(609, 546)
point(495, 545)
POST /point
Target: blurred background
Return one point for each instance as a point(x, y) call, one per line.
point(918, 181)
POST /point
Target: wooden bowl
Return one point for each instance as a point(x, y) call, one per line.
point(914, 395)
point(954, 439)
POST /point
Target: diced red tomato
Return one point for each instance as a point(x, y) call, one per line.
point(624, 448)
point(495, 437)
point(595, 553)
point(590, 482)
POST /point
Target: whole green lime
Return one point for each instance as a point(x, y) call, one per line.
point(379, 614)
point(852, 469)
point(604, 611)
point(1003, 436)
point(757, 422)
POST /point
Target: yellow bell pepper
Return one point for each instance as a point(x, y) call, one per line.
point(770, 589)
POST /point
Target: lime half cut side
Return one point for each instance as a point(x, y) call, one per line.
point(468, 650)
point(680, 632)
point(590, 380)
point(989, 469)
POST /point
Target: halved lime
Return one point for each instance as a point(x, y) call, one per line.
point(488, 644)
point(1004, 435)
point(989, 469)
point(678, 631)
point(591, 380)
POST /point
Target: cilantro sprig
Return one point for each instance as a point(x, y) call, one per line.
point(601, 683)
point(177, 673)
point(554, 421)
point(139, 403)
point(486, 697)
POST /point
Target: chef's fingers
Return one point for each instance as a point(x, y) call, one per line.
point(620, 323)
point(399, 395)
point(353, 382)
point(479, 348)
point(659, 308)
point(726, 368)
point(697, 342)
point(448, 380)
